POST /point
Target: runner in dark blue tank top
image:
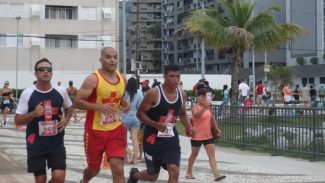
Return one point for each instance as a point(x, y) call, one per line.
point(159, 111)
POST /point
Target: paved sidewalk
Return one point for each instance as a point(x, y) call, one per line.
point(239, 166)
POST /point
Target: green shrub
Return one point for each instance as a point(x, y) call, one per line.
point(314, 60)
point(300, 60)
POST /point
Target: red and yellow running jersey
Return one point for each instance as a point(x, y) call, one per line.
point(106, 92)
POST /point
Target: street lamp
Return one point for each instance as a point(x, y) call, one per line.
point(17, 18)
point(124, 38)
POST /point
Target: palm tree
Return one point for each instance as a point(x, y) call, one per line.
point(237, 29)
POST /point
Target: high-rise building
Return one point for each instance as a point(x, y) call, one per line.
point(143, 34)
point(184, 49)
point(68, 33)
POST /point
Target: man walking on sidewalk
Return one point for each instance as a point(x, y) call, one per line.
point(159, 110)
point(39, 108)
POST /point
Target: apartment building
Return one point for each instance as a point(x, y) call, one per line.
point(185, 50)
point(143, 34)
point(68, 33)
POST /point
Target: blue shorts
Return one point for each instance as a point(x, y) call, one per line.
point(130, 121)
point(157, 157)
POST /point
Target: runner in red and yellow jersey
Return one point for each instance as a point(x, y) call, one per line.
point(101, 94)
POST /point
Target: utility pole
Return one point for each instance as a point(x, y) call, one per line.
point(202, 54)
point(17, 18)
point(124, 38)
point(137, 54)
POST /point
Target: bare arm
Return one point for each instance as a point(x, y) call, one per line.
point(148, 101)
point(183, 116)
point(196, 112)
point(24, 119)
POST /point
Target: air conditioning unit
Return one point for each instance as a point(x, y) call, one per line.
point(35, 10)
point(35, 41)
point(107, 13)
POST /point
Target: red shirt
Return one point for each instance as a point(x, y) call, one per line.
point(259, 90)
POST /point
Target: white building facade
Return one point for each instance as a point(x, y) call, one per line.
point(69, 33)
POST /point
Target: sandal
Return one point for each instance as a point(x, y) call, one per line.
point(220, 178)
point(189, 177)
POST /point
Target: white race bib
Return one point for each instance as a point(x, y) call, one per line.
point(7, 101)
point(48, 128)
point(108, 119)
point(169, 132)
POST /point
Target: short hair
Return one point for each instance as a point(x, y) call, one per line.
point(70, 83)
point(41, 61)
point(104, 49)
point(202, 91)
point(171, 67)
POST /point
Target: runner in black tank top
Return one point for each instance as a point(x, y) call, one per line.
point(159, 111)
point(167, 112)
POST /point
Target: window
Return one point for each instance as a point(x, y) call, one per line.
point(16, 10)
point(311, 80)
point(61, 12)
point(321, 80)
point(304, 80)
point(2, 40)
point(3, 10)
point(88, 42)
point(88, 13)
point(61, 41)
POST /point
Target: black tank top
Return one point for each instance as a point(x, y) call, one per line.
point(163, 111)
point(6, 94)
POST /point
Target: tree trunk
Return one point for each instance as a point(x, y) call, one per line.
point(235, 76)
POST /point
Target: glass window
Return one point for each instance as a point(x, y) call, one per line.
point(16, 10)
point(2, 40)
point(322, 80)
point(311, 80)
point(61, 41)
point(304, 80)
point(3, 10)
point(61, 12)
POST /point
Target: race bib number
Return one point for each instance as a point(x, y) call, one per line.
point(48, 128)
point(169, 132)
point(7, 101)
point(108, 119)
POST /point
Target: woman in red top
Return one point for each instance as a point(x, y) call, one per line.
point(201, 123)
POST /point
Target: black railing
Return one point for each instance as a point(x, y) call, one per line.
point(289, 129)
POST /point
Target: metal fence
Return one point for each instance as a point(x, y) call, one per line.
point(289, 129)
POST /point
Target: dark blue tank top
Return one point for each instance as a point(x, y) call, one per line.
point(163, 111)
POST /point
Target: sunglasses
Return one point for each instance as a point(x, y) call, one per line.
point(43, 69)
point(6, 83)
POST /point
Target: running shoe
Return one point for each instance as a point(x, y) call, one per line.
point(131, 178)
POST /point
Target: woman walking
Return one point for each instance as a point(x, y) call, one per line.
point(202, 120)
point(130, 120)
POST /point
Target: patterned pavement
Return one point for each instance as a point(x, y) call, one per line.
point(238, 166)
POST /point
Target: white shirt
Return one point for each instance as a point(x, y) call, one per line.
point(243, 89)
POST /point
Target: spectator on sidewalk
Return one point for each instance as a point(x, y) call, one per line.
point(72, 92)
point(201, 121)
point(313, 95)
point(39, 108)
point(266, 96)
point(243, 91)
point(259, 93)
point(155, 83)
point(286, 94)
point(130, 120)
point(296, 94)
point(6, 94)
point(321, 93)
point(305, 95)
